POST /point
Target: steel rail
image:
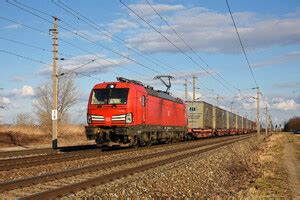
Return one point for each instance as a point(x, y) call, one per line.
point(64, 190)
point(45, 159)
point(26, 152)
point(17, 163)
point(29, 152)
point(14, 184)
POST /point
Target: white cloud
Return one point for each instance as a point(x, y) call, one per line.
point(121, 24)
point(25, 91)
point(288, 85)
point(277, 100)
point(283, 59)
point(248, 106)
point(146, 10)
point(210, 31)
point(6, 101)
point(289, 104)
point(17, 78)
point(297, 99)
point(12, 26)
point(278, 103)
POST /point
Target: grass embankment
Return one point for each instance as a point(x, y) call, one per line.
point(273, 180)
point(35, 136)
point(295, 140)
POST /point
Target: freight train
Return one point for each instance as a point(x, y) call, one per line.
point(128, 113)
point(206, 120)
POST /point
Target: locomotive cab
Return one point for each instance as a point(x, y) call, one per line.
point(114, 111)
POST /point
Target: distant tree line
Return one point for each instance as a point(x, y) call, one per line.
point(292, 124)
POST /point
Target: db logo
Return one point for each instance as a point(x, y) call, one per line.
point(107, 119)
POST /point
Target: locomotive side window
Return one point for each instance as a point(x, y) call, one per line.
point(110, 96)
point(143, 101)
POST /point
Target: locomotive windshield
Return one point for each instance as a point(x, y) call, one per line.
point(110, 96)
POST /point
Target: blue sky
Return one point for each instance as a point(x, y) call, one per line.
point(270, 31)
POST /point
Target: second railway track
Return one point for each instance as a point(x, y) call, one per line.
point(176, 154)
point(63, 155)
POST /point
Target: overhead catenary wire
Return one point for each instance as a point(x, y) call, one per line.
point(84, 64)
point(67, 42)
point(44, 63)
point(24, 57)
point(241, 43)
point(88, 21)
point(62, 68)
point(189, 46)
point(24, 25)
point(103, 29)
point(173, 44)
point(98, 56)
point(82, 35)
point(109, 34)
point(106, 32)
point(96, 26)
point(51, 22)
point(112, 36)
point(71, 57)
point(85, 37)
point(42, 49)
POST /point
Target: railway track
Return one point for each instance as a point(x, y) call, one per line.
point(25, 162)
point(24, 153)
point(50, 156)
point(97, 179)
point(44, 151)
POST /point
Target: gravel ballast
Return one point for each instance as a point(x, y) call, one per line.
point(219, 173)
point(56, 167)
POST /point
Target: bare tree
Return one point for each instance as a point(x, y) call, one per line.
point(67, 97)
point(24, 119)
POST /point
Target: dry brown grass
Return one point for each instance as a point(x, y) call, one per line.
point(272, 181)
point(242, 166)
point(71, 135)
point(27, 136)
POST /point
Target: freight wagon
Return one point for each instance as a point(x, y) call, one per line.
point(127, 113)
point(250, 126)
point(206, 120)
point(219, 121)
point(231, 128)
point(200, 119)
point(239, 124)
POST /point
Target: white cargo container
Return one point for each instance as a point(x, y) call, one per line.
point(200, 115)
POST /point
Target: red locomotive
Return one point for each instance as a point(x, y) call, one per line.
point(127, 113)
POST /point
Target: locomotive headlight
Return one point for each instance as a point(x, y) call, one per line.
point(89, 118)
point(128, 118)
